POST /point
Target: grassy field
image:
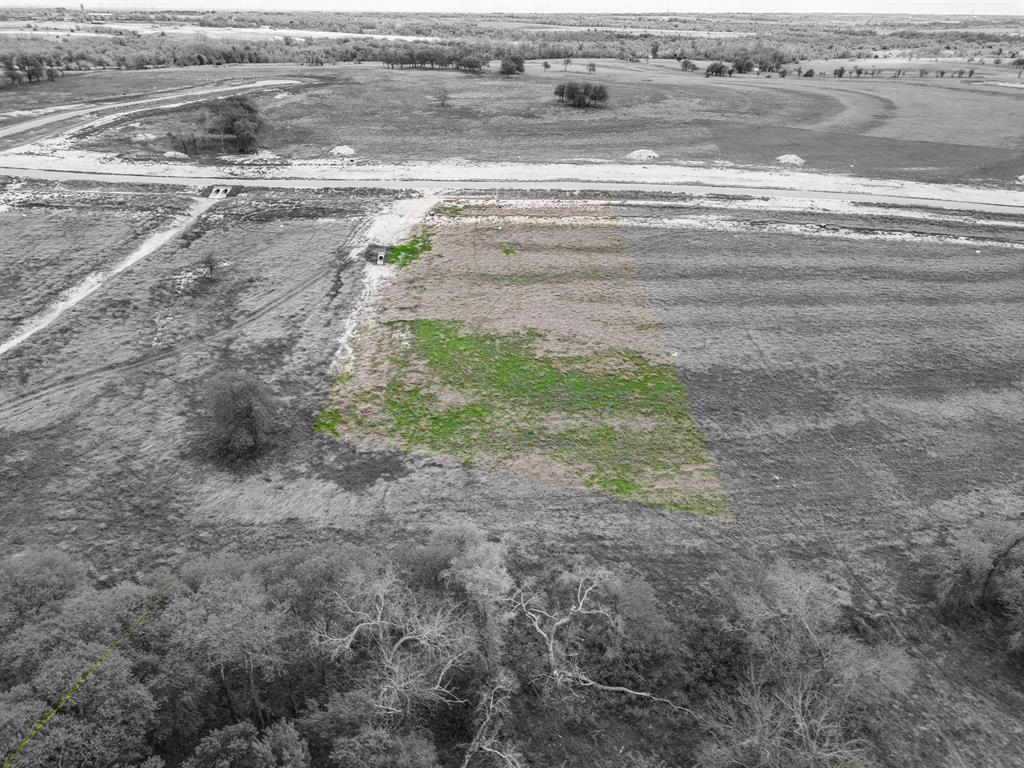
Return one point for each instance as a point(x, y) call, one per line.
point(924, 129)
point(524, 348)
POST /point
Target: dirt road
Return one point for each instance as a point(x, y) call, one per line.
point(571, 177)
point(138, 105)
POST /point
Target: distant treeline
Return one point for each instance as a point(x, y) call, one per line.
point(470, 39)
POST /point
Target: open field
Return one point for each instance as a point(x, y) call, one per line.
point(924, 130)
point(854, 393)
point(487, 439)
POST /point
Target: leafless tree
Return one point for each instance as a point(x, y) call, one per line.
point(587, 588)
point(209, 264)
point(803, 682)
point(416, 642)
point(441, 95)
point(491, 712)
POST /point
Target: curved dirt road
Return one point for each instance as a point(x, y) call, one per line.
point(137, 105)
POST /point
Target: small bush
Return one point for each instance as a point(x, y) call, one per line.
point(985, 578)
point(242, 416)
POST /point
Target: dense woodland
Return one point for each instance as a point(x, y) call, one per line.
point(465, 651)
point(469, 42)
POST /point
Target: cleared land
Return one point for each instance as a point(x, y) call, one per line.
point(96, 409)
point(927, 130)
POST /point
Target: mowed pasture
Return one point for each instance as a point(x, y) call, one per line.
point(930, 129)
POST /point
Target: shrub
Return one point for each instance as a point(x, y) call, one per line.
point(985, 577)
point(508, 67)
point(809, 73)
point(242, 415)
point(581, 95)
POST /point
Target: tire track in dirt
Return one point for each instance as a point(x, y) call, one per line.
point(72, 384)
point(71, 297)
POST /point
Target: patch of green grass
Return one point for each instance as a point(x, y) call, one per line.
point(508, 250)
point(328, 421)
point(451, 211)
point(622, 423)
point(405, 254)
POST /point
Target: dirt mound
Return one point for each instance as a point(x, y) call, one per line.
point(343, 151)
point(642, 154)
point(794, 160)
point(175, 155)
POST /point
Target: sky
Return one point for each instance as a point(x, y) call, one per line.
point(960, 7)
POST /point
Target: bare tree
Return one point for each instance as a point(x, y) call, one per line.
point(441, 95)
point(415, 643)
point(491, 712)
point(566, 62)
point(803, 679)
point(209, 264)
point(986, 576)
point(588, 598)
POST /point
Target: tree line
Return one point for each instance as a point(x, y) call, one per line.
point(465, 650)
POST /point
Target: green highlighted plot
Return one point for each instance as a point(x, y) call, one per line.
point(614, 422)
